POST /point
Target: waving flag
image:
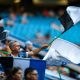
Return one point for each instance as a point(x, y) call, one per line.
point(74, 13)
point(62, 51)
point(70, 17)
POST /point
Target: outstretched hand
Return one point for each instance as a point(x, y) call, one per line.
point(44, 46)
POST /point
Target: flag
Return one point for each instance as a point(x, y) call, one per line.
point(62, 51)
point(74, 13)
point(66, 21)
point(70, 17)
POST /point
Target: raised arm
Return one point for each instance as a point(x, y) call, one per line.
point(36, 51)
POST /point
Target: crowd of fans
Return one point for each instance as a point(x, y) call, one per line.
point(17, 74)
point(14, 49)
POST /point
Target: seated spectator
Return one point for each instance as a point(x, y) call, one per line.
point(31, 74)
point(16, 74)
point(52, 68)
point(12, 19)
point(10, 23)
point(65, 71)
point(59, 28)
point(39, 37)
point(24, 18)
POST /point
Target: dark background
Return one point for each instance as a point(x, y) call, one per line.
point(30, 6)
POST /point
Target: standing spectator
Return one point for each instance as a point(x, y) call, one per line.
point(29, 49)
point(15, 48)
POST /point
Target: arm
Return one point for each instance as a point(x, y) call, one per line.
point(7, 48)
point(36, 51)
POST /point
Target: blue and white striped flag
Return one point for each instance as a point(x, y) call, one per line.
point(62, 51)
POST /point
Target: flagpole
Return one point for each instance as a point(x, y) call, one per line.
point(59, 73)
point(60, 35)
point(56, 37)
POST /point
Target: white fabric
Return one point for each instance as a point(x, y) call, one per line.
point(74, 13)
point(52, 54)
point(65, 49)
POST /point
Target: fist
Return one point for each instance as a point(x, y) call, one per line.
point(44, 46)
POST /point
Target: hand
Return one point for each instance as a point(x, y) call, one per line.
point(7, 42)
point(44, 46)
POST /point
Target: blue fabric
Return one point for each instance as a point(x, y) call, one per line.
point(1, 68)
point(40, 66)
point(22, 54)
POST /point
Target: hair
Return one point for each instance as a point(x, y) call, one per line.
point(13, 72)
point(28, 70)
point(11, 44)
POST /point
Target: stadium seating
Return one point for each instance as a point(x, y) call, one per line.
point(42, 24)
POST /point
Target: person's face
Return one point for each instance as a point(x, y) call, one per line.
point(29, 47)
point(13, 16)
point(16, 47)
point(18, 75)
point(33, 75)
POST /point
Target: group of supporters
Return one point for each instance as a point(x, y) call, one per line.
point(16, 73)
point(13, 49)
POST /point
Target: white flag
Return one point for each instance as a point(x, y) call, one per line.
point(63, 51)
point(74, 13)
